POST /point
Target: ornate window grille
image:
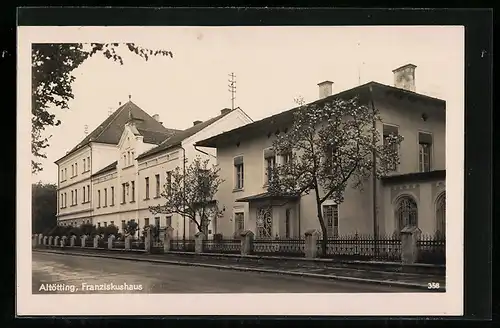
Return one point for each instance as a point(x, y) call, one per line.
point(407, 213)
point(264, 223)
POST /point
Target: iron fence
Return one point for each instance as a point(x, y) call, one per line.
point(119, 244)
point(137, 244)
point(182, 245)
point(89, 242)
point(78, 241)
point(225, 246)
point(363, 247)
point(101, 243)
point(279, 247)
point(432, 249)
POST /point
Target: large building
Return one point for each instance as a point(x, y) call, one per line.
point(119, 169)
point(414, 194)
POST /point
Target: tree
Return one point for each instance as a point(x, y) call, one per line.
point(43, 207)
point(88, 229)
point(190, 193)
point(52, 68)
point(131, 228)
point(329, 147)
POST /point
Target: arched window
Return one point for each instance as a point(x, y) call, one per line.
point(441, 215)
point(406, 213)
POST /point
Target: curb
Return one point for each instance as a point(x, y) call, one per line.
point(237, 268)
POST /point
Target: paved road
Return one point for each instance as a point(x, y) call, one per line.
point(85, 272)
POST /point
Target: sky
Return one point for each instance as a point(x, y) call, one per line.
point(272, 65)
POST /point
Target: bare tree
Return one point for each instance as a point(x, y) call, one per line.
point(191, 194)
point(330, 146)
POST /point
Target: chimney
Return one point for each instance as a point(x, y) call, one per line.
point(404, 77)
point(119, 103)
point(197, 122)
point(156, 117)
point(325, 89)
point(225, 111)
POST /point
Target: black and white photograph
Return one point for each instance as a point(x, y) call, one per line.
point(278, 170)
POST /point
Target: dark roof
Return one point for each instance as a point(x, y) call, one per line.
point(415, 177)
point(284, 119)
point(267, 196)
point(177, 138)
point(110, 131)
point(108, 168)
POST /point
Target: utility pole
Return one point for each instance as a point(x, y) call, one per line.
point(232, 88)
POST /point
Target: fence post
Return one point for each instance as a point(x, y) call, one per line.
point(111, 238)
point(409, 247)
point(96, 241)
point(247, 238)
point(63, 241)
point(56, 240)
point(72, 240)
point(83, 240)
point(33, 241)
point(198, 242)
point(167, 238)
point(148, 240)
point(51, 238)
point(40, 239)
point(128, 239)
point(311, 243)
point(45, 240)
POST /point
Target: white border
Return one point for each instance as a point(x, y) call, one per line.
point(421, 304)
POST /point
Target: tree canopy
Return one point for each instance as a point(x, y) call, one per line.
point(191, 193)
point(43, 207)
point(328, 148)
point(52, 78)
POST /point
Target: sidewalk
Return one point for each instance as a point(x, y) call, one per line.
point(417, 282)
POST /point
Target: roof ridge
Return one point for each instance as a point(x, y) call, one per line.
point(117, 112)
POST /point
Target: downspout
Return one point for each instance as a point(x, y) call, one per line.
point(203, 152)
point(374, 175)
point(184, 195)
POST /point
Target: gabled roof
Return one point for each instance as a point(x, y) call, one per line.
point(284, 119)
point(110, 131)
point(108, 168)
point(177, 138)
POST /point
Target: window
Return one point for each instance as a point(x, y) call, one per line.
point(65, 173)
point(76, 196)
point(239, 223)
point(157, 177)
point(133, 190)
point(406, 213)
point(65, 199)
point(105, 224)
point(169, 181)
point(128, 158)
point(98, 198)
point(331, 217)
point(146, 222)
point(72, 197)
point(132, 157)
point(147, 188)
point(62, 175)
point(157, 222)
point(287, 223)
point(123, 193)
point(98, 224)
point(425, 147)
point(388, 131)
point(270, 162)
point(61, 205)
point(83, 195)
point(88, 193)
point(123, 225)
point(239, 172)
point(105, 197)
point(88, 163)
point(124, 160)
point(72, 170)
point(112, 222)
point(169, 220)
point(286, 158)
point(84, 166)
point(112, 196)
point(76, 168)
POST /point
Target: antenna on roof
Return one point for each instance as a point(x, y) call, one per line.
point(360, 65)
point(129, 97)
point(86, 129)
point(232, 88)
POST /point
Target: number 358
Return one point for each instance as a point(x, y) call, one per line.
point(433, 285)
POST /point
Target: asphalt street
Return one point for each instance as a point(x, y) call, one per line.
point(60, 273)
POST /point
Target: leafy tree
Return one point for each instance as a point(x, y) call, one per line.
point(52, 78)
point(43, 207)
point(131, 228)
point(191, 194)
point(88, 229)
point(329, 147)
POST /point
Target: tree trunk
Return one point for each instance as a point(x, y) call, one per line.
point(324, 239)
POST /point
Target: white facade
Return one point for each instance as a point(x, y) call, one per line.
point(120, 193)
